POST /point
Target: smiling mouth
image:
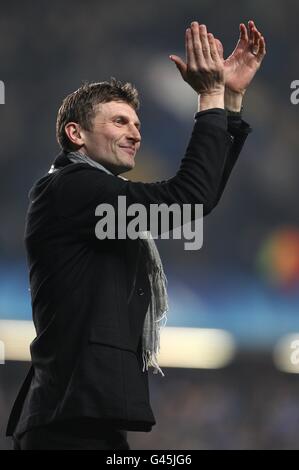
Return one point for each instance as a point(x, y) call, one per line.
point(129, 150)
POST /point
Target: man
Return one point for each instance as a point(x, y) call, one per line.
point(96, 303)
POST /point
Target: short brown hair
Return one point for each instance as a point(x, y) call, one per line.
point(80, 105)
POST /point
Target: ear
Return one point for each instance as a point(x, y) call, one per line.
point(74, 133)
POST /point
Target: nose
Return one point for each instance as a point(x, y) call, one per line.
point(134, 133)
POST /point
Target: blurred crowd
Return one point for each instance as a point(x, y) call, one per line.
point(248, 405)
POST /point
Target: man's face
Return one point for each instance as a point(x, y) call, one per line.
point(115, 136)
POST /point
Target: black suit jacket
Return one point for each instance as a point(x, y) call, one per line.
point(87, 310)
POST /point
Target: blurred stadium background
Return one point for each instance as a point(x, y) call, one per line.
point(230, 382)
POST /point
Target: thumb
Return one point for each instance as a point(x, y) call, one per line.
point(180, 64)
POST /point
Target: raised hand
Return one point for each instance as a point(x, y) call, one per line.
point(241, 66)
point(204, 68)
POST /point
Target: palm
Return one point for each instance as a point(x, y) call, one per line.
point(240, 68)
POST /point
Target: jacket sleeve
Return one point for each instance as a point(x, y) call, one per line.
point(79, 188)
point(239, 131)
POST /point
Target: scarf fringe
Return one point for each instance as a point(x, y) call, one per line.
point(150, 360)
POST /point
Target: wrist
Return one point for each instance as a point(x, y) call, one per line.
point(211, 100)
point(233, 100)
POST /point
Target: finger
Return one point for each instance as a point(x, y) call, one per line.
point(180, 64)
point(256, 42)
point(262, 49)
point(255, 28)
point(190, 56)
point(255, 33)
point(243, 33)
point(251, 30)
point(213, 48)
point(197, 45)
point(219, 47)
point(205, 45)
point(255, 38)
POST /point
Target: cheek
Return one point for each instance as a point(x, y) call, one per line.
point(114, 141)
point(105, 143)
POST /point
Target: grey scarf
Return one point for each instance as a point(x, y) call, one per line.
point(156, 315)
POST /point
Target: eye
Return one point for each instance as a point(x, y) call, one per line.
point(120, 120)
